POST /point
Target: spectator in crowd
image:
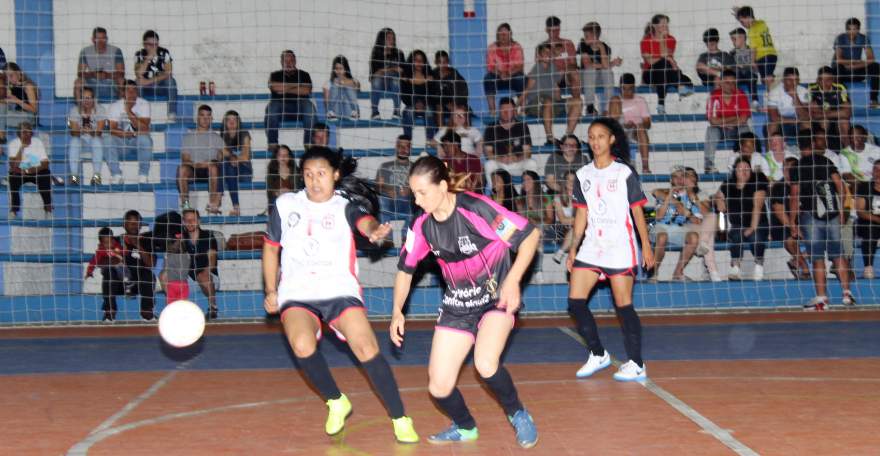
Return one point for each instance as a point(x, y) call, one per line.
point(108, 257)
point(596, 68)
point(130, 129)
point(22, 97)
point(28, 162)
point(202, 248)
point(820, 146)
point(562, 161)
point(460, 122)
point(728, 112)
point(291, 99)
point(816, 191)
point(861, 154)
point(746, 68)
point(781, 222)
point(563, 209)
point(711, 63)
point(868, 210)
point(564, 57)
point(706, 222)
point(830, 107)
point(448, 88)
point(542, 97)
point(137, 254)
point(775, 157)
point(848, 64)
point(788, 105)
point(320, 136)
point(392, 182)
point(760, 42)
point(86, 122)
point(200, 158)
point(461, 163)
point(415, 86)
point(537, 207)
point(659, 67)
point(101, 67)
point(386, 66)
point(341, 91)
point(508, 142)
point(505, 66)
point(153, 68)
point(236, 157)
point(503, 191)
point(742, 197)
point(632, 112)
point(676, 224)
point(281, 175)
point(748, 149)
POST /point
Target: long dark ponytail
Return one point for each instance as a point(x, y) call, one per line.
point(349, 185)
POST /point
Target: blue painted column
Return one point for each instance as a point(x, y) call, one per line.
point(467, 48)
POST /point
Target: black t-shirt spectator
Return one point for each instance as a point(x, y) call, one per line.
point(449, 89)
point(867, 191)
point(294, 77)
point(410, 93)
point(379, 60)
point(506, 142)
point(593, 54)
point(134, 254)
point(818, 195)
point(157, 65)
point(779, 193)
point(198, 251)
point(740, 201)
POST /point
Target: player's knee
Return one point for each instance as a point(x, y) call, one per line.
point(440, 387)
point(692, 238)
point(364, 348)
point(486, 366)
point(303, 345)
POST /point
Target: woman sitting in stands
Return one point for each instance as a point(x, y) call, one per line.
point(236, 157)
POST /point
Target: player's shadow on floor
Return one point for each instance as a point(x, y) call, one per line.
point(183, 354)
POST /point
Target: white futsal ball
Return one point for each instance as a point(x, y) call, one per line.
point(181, 323)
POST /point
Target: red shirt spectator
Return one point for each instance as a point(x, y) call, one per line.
point(105, 257)
point(505, 61)
point(650, 45)
point(737, 106)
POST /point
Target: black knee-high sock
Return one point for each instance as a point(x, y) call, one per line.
point(586, 324)
point(454, 406)
point(632, 332)
point(316, 371)
point(383, 380)
point(502, 386)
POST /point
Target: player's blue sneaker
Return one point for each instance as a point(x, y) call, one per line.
point(526, 432)
point(454, 434)
point(594, 364)
point(631, 372)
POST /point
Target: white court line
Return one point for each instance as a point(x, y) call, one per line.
point(722, 435)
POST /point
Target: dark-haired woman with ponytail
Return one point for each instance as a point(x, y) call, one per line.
point(471, 237)
point(309, 231)
point(608, 198)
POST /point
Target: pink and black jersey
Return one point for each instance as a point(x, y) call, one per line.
point(472, 248)
point(318, 253)
point(608, 194)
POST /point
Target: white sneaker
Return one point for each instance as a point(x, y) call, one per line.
point(630, 372)
point(702, 250)
point(817, 304)
point(734, 273)
point(559, 256)
point(848, 298)
point(869, 272)
point(758, 274)
point(142, 179)
point(594, 364)
point(117, 179)
point(714, 276)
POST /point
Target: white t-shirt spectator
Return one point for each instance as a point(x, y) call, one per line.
point(634, 110)
point(116, 112)
point(782, 101)
point(32, 155)
point(469, 138)
point(867, 157)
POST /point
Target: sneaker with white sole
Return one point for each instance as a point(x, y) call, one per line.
point(702, 250)
point(758, 273)
point(817, 304)
point(594, 364)
point(869, 272)
point(848, 298)
point(631, 372)
point(734, 273)
point(715, 276)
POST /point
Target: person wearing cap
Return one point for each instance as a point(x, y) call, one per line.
point(711, 63)
point(830, 107)
point(596, 67)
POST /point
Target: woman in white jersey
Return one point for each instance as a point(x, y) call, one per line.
point(313, 233)
point(608, 197)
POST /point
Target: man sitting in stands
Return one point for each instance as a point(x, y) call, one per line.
point(200, 155)
point(508, 143)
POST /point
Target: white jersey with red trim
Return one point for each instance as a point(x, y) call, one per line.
point(608, 194)
point(318, 254)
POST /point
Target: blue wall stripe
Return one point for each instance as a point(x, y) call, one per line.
point(467, 48)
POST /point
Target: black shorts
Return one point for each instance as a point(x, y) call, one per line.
point(603, 271)
point(200, 174)
point(328, 310)
point(468, 323)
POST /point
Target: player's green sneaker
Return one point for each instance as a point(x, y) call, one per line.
point(337, 411)
point(454, 434)
point(404, 431)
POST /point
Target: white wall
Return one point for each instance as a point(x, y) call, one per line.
point(7, 28)
point(237, 44)
point(803, 30)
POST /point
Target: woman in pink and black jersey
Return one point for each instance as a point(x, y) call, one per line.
point(608, 199)
point(471, 237)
